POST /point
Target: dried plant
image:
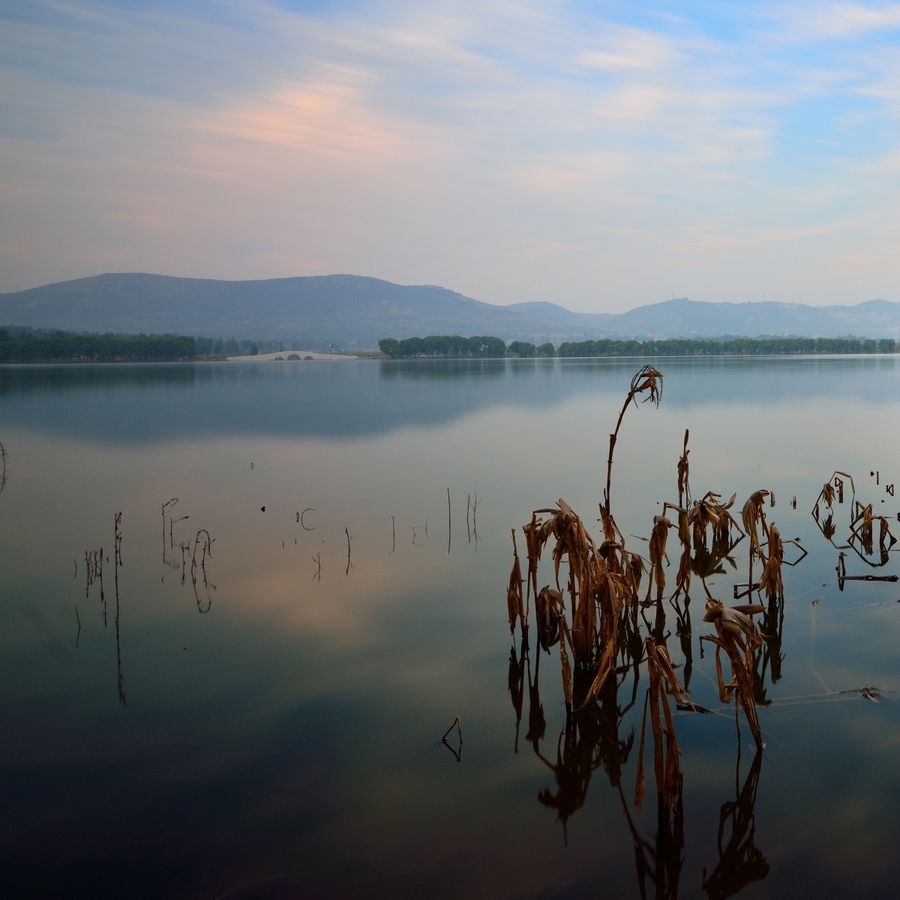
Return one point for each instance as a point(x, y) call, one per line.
point(862, 529)
point(548, 605)
point(647, 381)
point(3, 475)
point(738, 636)
point(753, 516)
point(514, 593)
point(666, 766)
point(710, 515)
point(564, 663)
point(684, 472)
point(708, 534)
point(657, 552)
point(595, 613)
point(603, 581)
point(536, 534)
point(833, 488)
point(93, 564)
point(771, 581)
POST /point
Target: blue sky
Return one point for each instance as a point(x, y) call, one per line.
point(597, 155)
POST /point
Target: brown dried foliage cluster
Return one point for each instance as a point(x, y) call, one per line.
point(594, 615)
point(861, 537)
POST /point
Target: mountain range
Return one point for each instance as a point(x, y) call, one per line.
point(350, 309)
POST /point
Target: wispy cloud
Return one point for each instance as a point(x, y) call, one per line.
point(597, 157)
point(835, 21)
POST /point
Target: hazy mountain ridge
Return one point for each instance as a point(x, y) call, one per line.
point(313, 310)
point(684, 318)
point(552, 312)
point(342, 309)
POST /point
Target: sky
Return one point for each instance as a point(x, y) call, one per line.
point(599, 155)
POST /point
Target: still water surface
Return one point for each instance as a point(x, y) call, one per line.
point(271, 727)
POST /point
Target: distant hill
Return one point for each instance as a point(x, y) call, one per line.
point(346, 309)
point(314, 311)
point(691, 318)
point(550, 312)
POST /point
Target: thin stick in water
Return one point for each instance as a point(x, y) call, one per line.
point(117, 561)
point(457, 752)
point(317, 559)
point(165, 506)
point(456, 724)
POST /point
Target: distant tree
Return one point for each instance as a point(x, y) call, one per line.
point(254, 349)
point(66, 347)
point(521, 349)
point(442, 346)
point(411, 347)
point(480, 345)
point(887, 345)
point(390, 347)
point(546, 350)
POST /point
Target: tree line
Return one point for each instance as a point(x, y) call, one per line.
point(731, 347)
point(209, 348)
point(456, 347)
point(29, 346)
point(453, 346)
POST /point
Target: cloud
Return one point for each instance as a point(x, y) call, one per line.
point(510, 151)
point(836, 21)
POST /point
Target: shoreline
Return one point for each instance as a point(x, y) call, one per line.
point(305, 355)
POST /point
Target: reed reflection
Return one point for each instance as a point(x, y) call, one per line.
point(861, 528)
point(93, 563)
point(118, 563)
point(589, 741)
point(740, 860)
point(595, 737)
point(658, 862)
point(198, 551)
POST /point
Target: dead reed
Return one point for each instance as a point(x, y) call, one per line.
point(514, 593)
point(739, 637)
point(666, 765)
point(93, 564)
point(609, 626)
point(598, 613)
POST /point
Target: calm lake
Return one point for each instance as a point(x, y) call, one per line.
point(251, 703)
